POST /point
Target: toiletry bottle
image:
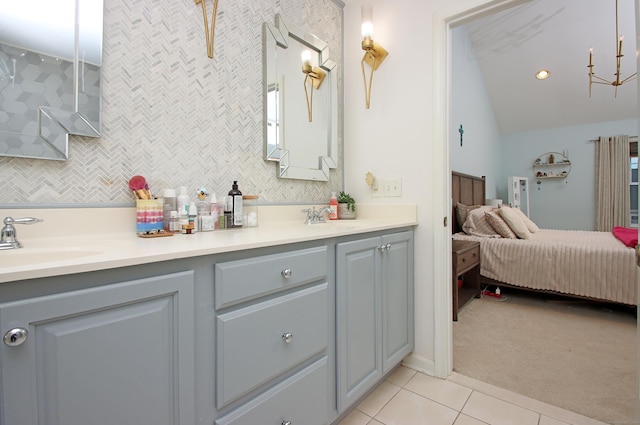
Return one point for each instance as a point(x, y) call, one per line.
point(333, 206)
point(234, 205)
point(184, 218)
point(174, 224)
point(193, 213)
point(214, 211)
point(169, 203)
point(182, 200)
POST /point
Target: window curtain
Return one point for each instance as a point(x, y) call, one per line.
point(612, 183)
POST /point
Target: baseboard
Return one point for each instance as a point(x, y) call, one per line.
point(420, 364)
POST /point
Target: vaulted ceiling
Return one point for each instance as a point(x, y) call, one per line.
point(511, 46)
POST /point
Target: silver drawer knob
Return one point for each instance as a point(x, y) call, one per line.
point(287, 337)
point(287, 423)
point(15, 337)
point(286, 273)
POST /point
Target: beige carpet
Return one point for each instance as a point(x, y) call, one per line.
point(576, 355)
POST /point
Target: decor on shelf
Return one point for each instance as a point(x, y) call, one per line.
point(209, 31)
point(599, 80)
point(374, 53)
point(313, 77)
point(346, 206)
point(551, 165)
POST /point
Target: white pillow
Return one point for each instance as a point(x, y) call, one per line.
point(515, 222)
point(477, 224)
point(533, 227)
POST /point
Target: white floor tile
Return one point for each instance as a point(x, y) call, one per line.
point(467, 420)
point(545, 420)
point(408, 408)
point(497, 412)
point(401, 376)
point(356, 417)
point(378, 398)
point(444, 392)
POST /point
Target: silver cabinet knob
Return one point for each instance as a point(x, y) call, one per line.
point(287, 337)
point(384, 248)
point(286, 273)
point(287, 423)
point(15, 337)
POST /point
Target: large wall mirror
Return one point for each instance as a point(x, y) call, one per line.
point(304, 144)
point(50, 59)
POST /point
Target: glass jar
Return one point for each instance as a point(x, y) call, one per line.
point(250, 210)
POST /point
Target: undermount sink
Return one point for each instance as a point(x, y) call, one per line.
point(26, 256)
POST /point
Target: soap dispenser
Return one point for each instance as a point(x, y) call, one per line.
point(234, 205)
point(333, 207)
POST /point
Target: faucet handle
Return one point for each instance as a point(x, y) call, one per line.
point(8, 238)
point(24, 220)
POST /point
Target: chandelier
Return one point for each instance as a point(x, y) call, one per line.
point(594, 79)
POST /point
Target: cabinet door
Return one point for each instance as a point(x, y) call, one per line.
point(359, 321)
point(397, 299)
point(115, 354)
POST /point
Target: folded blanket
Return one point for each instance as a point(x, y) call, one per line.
point(628, 236)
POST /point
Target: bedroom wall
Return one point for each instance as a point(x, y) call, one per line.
point(555, 204)
point(480, 153)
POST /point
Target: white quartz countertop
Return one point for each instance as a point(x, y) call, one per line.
point(86, 246)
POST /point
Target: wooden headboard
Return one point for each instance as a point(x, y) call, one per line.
point(468, 190)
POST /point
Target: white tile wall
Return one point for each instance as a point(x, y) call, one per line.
point(175, 116)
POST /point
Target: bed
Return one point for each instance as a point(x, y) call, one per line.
point(585, 264)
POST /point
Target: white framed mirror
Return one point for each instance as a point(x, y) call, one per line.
point(50, 60)
point(305, 149)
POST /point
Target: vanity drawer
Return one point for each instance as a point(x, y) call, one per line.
point(468, 259)
point(301, 399)
point(241, 280)
point(252, 345)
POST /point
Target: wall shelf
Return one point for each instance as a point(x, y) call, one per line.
point(551, 165)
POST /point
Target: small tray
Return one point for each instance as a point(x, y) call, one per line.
point(155, 235)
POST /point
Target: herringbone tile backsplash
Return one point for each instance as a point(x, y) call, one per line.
point(175, 116)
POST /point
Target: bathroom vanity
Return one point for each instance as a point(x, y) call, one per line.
point(286, 323)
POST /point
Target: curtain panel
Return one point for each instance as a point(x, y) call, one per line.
point(612, 183)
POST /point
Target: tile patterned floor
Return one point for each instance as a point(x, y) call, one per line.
point(408, 397)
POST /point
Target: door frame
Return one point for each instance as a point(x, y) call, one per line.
point(443, 22)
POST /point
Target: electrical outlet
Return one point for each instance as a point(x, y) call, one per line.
point(392, 187)
point(376, 191)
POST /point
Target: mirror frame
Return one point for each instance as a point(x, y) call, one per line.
point(281, 36)
point(50, 134)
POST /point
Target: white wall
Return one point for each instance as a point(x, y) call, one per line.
point(395, 137)
point(480, 153)
point(554, 203)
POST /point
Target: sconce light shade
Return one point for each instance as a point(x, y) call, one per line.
point(374, 53)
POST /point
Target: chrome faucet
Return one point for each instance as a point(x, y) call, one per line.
point(8, 236)
point(315, 216)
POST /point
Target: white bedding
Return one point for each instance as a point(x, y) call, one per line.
point(574, 262)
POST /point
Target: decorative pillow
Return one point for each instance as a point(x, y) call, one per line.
point(462, 211)
point(515, 222)
point(533, 228)
point(477, 224)
point(499, 225)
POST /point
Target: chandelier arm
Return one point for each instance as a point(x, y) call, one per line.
point(630, 78)
point(601, 80)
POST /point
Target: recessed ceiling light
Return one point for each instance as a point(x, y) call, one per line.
point(542, 74)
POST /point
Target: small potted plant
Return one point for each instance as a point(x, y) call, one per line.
point(346, 206)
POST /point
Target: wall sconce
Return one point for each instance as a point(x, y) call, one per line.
point(374, 53)
point(209, 32)
point(313, 78)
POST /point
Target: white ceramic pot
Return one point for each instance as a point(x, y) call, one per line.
point(344, 213)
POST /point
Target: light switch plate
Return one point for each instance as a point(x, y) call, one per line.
point(392, 187)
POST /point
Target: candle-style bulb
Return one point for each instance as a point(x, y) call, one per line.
point(367, 21)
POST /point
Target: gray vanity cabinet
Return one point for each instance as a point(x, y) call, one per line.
point(374, 311)
point(273, 331)
point(115, 354)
